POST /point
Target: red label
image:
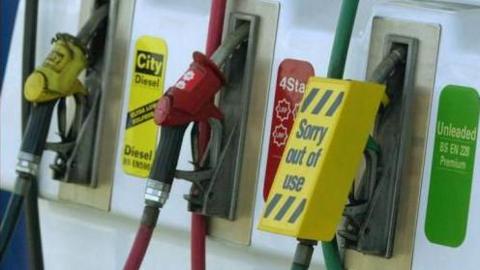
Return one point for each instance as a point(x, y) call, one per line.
point(292, 79)
point(190, 78)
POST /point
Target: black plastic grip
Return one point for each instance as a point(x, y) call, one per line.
point(36, 132)
point(168, 152)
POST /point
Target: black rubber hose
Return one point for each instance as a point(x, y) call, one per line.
point(166, 156)
point(14, 207)
point(35, 136)
point(29, 47)
point(32, 223)
point(10, 221)
point(33, 143)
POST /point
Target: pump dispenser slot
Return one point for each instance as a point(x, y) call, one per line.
point(372, 231)
point(221, 192)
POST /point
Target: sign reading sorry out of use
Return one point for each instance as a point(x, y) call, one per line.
point(147, 82)
point(320, 160)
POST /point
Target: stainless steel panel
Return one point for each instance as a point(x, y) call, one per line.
point(240, 230)
point(233, 100)
point(118, 40)
point(428, 36)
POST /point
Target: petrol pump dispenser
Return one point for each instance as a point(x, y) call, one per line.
point(48, 85)
point(330, 135)
point(423, 215)
point(337, 62)
point(318, 165)
point(189, 100)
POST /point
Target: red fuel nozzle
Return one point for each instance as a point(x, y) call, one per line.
point(190, 99)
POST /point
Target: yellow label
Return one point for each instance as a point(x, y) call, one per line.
point(147, 82)
point(323, 152)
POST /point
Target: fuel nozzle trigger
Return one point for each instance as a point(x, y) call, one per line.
point(202, 177)
point(360, 198)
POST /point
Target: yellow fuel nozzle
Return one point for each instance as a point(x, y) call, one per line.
point(58, 75)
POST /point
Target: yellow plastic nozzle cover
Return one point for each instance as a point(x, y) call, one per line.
point(58, 75)
point(321, 158)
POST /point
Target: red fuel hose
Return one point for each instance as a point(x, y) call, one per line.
point(215, 26)
point(139, 248)
point(199, 222)
point(142, 239)
point(197, 241)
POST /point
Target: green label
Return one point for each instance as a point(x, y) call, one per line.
point(452, 166)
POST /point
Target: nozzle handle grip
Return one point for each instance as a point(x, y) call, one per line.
point(167, 154)
point(36, 132)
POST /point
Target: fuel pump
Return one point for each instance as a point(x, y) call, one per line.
point(188, 101)
point(54, 80)
point(336, 68)
point(323, 152)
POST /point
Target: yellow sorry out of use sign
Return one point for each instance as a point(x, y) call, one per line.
point(323, 152)
point(147, 83)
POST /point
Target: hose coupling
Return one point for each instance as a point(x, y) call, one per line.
point(156, 193)
point(27, 163)
point(304, 253)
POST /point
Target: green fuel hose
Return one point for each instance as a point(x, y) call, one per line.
point(336, 69)
point(341, 42)
point(331, 256)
